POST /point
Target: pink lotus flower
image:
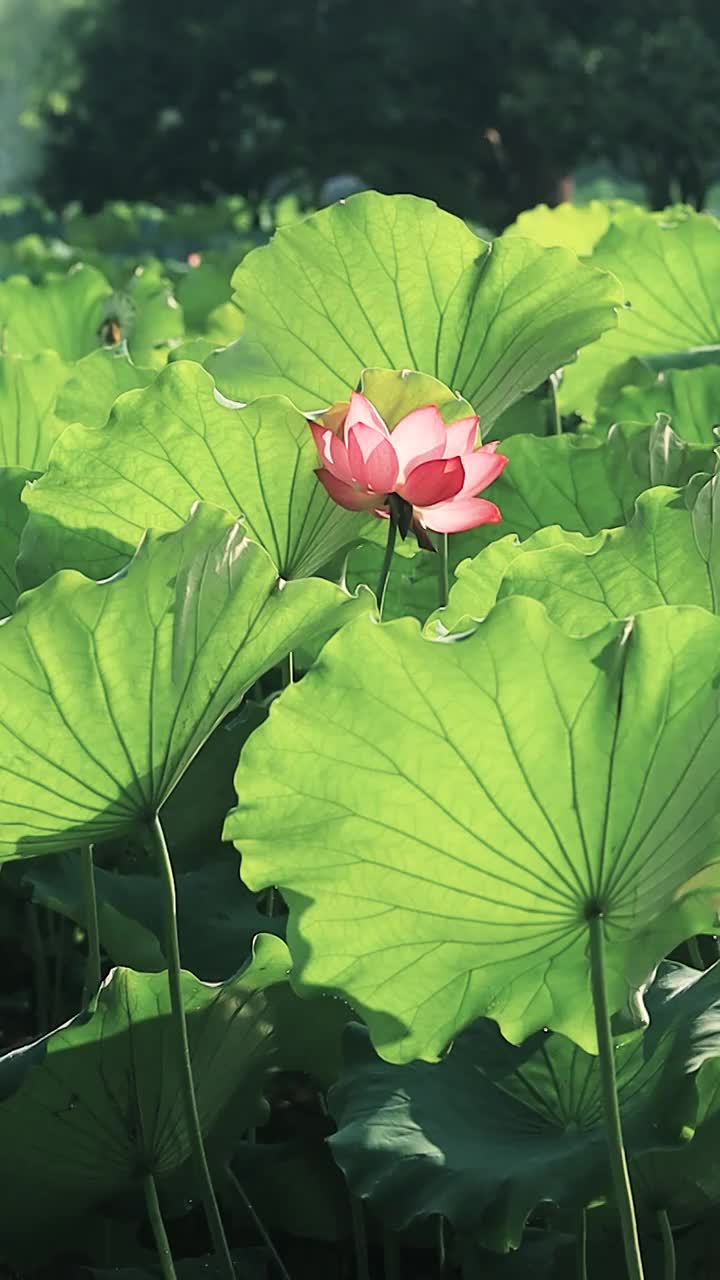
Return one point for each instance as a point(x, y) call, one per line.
point(433, 469)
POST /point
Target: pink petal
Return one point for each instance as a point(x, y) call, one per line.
point(344, 494)
point(434, 481)
point(418, 437)
point(481, 468)
point(460, 514)
point(361, 410)
point(361, 440)
point(381, 468)
point(460, 437)
point(332, 451)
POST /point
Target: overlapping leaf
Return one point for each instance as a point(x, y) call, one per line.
point(690, 398)
point(578, 482)
point(668, 554)
point(442, 817)
point(76, 313)
point(571, 226)
point(669, 270)
point(13, 515)
point(109, 689)
point(491, 1131)
point(87, 1110)
point(95, 384)
point(396, 282)
point(164, 448)
point(29, 426)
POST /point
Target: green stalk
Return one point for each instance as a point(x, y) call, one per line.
point(582, 1246)
point(362, 1259)
point(386, 564)
point(443, 571)
point(668, 1243)
point(391, 1256)
point(443, 1269)
point(93, 972)
point(555, 407)
point(162, 1244)
point(187, 1084)
point(257, 1220)
point(611, 1107)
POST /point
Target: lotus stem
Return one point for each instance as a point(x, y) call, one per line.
point(668, 1243)
point(162, 1244)
point(443, 571)
point(611, 1106)
point(257, 1221)
point(386, 564)
point(360, 1243)
point(187, 1084)
point(93, 972)
point(555, 407)
point(581, 1241)
point(391, 1256)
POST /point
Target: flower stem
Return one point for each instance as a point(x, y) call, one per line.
point(93, 971)
point(386, 564)
point(443, 571)
point(669, 1270)
point(581, 1241)
point(162, 1244)
point(611, 1106)
point(187, 1084)
point(359, 1232)
point(239, 1189)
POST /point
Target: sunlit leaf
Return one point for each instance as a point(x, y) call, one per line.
point(670, 271)
point(396, 282)
point(442, 817)
point(110, 689)
point(164, 448)
point(29, 426)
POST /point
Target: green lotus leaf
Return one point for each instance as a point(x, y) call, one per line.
point(95, 384)
point(29, 426)
point(79, 312)
point(164, 448)
point(396, 282)
point(65, 315)
point(110, 689)
point(690, 398)
point(218, 917)
point(570, 226)
point(580, 482)
point(149, 317)
point(486, 1135)
point(13, 515)
point(86, 1110)
point(669, 553)
point(442, 817)
point(669, 270)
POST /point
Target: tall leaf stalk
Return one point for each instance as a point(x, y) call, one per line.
point(611, 1106)
point(187, 1084)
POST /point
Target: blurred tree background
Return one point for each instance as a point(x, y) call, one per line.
point(485, 106)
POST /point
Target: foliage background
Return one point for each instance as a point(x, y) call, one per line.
point(486, 107)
